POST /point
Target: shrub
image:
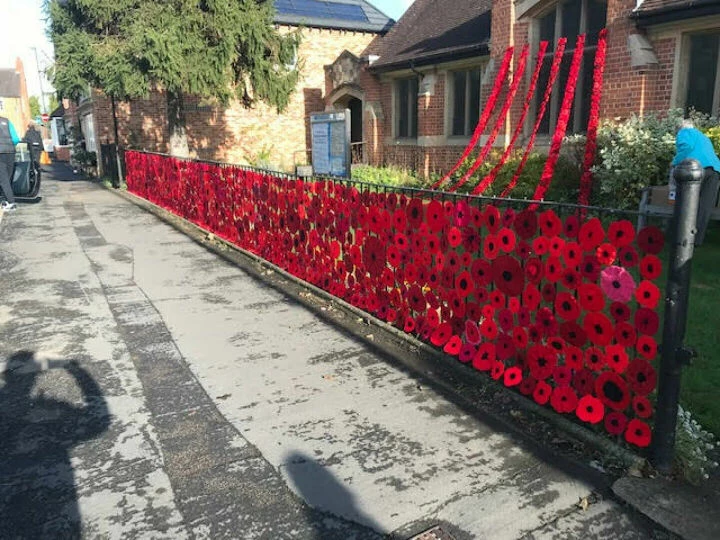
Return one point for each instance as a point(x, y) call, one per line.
point(713, 134)
point(563, 188)
point(636, 153)
point(632, 155)
point(694, 446)
point(387, 176)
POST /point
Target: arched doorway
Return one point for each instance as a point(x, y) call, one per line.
point(350, 97)
point(356, 120)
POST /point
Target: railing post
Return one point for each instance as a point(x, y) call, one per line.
point(688, 175)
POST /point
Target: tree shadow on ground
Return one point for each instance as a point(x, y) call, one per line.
point(38, 497)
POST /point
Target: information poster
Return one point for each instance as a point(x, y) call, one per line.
point(331, 143)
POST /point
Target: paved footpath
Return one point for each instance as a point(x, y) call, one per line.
point(152, 390)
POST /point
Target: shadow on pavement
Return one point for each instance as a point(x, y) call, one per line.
point(38, 497)
point(320, 490)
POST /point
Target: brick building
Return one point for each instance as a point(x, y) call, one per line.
point(14, 100)
point(430, 74)
point(240, 135)
point(415, 92)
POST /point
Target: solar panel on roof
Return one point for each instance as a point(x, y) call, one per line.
point(321, 10)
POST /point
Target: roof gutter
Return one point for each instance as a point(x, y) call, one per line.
point(692, 10)
point(481, 49)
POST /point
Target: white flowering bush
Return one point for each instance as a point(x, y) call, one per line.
point(632, 155)
point(693, 448)
point(636, 153)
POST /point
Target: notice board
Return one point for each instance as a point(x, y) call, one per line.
point(331, 143)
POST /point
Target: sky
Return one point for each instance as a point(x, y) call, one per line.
point(392, 8)
point(22, 26)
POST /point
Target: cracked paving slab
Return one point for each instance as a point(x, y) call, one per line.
point(243, 414)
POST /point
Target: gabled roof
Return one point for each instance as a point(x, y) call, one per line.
point(9, 83)
point(652, 12)
point(433, 31)
point(357, 15)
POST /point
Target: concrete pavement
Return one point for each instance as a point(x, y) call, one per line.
point(152, 389)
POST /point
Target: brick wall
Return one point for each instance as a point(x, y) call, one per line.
point(627, 90)
point(659, 82)
point(237, 134)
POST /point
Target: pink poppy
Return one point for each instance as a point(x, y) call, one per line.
point(617, 283)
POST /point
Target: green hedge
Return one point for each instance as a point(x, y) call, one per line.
point(632, 154)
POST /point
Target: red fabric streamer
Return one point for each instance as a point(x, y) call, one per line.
point(562, 122)
point(554, 70)
point(517, 78)
point(591, 139)
point(490, 177)
point(484, 117)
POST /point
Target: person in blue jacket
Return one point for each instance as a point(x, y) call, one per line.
point(691, 143)
point(8, 139)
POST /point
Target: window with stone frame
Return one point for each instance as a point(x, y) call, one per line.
point(406, 106)
point(569, 19)
point(702, 84)
point(464, 103)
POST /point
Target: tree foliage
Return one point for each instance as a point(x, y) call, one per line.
point(209, 48)
point(34, 106)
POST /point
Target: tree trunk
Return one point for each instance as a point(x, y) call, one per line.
point(116, 182)
point(178, 144)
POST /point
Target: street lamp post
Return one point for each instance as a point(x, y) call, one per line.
point(42, 93)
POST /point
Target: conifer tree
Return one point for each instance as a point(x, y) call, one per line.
point(209, 48)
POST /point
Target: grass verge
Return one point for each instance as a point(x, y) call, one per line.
point(701, 381)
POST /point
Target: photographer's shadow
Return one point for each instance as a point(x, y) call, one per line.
point(38, 496)
point(324, 493)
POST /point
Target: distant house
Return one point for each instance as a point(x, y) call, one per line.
point(429, 76)
point(14, 100)
point(329, 29)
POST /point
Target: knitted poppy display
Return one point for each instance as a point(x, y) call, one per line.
point(484, 357)
point(550, 301)
point(638, 433)
point(650, 267)
point(542, 392)
point(526, 223)
point(612, 390)
point(641, 376)
point(508, 275)
point(606, 254)
point(651, 240)
point(646, 347)
point(513, 376)
point(647, 294)
point(621, 233)
point(590, 409)
point(627, 256)
point(563, 399)
point(642, 406)
point(615, 422)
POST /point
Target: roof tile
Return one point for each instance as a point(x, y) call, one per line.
point(431, 29)
point(338, 14)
